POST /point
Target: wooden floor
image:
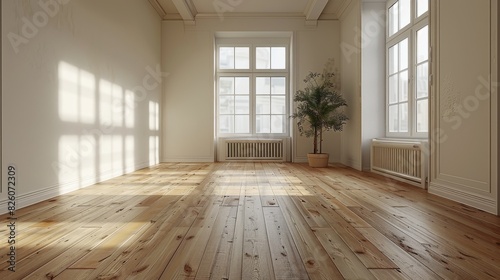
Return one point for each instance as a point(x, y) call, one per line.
point(252, 221)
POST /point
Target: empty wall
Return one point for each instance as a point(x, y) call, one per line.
point(372, 76)
point(80, 93)
point(188, 100)
point(351, 84)
point(464, 106)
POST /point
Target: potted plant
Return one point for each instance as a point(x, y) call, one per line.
point(317, 111)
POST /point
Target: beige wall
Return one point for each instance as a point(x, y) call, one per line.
point(70, 114)
point(498, 107)
point(464, 104)
point(372, 77)
point(188, 98)
point(363, 79)
point(351, 85)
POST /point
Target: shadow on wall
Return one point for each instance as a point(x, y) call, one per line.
point(99, 118)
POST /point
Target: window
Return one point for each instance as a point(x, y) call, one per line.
point(407, 68)
point(252, 89)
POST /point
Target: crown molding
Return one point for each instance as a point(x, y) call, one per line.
point(249, 15)
point(314, 9)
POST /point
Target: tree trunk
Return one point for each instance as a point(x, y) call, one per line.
point(315, 141)
point(320, 141)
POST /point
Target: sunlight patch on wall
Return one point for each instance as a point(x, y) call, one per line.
point(129, 153)
point(106, 152)
point(129, 109)
point(154, 127)
point(100, 142)
point(76, 94)
point(154, 147)
point(154, 116)
point(110, 104)
point(77, 152)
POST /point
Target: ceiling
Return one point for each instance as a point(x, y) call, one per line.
point(190, 10)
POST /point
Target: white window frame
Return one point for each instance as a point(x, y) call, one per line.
point(410, 32)
point(253, 73)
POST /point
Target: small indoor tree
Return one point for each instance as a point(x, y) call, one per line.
point(318, 110)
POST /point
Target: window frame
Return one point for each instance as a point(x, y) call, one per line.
point(253, 73)
point(409, 32)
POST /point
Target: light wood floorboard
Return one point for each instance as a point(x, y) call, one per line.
point(252, 221)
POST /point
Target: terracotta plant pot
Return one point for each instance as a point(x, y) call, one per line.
point(318, 160)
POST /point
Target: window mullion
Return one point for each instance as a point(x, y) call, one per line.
point(253, 117)
point(411, 83)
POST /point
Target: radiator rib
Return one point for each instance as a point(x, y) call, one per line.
point(254, 149)
point(403, 160)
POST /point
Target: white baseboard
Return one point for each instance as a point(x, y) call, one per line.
point(483, 203)
point(300, 159)
point(354, 164)
point(27, 199)
point(202, 159)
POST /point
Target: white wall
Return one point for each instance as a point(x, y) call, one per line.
point(363, 79)
point(70, 114)
point(464, 117)
point(351, 84)
point(372, 76)
point(188, 101)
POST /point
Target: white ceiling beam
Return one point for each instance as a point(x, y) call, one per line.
point(158, 8)
point(341, 7)
point(314, 9)
point(184, 9)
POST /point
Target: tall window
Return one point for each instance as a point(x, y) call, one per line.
point(408, 68)
point(252, 89)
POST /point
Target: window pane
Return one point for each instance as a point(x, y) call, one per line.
point(278, 58)
point(403, 117)
point(277, 124)
point(263, 105)
point(226, 124)
point(423, 44)
point(403, 55)
point(393, 19)
point(393, 118)
point(393, 59)
point(422, 7)
point(263, 85)
point(242, 124)
point(226, 85)
point(278, 85)
point(423, 116)
point(242, 58)
point(422, 80)
point(263, 58)
point(404, 13)
point(226, 58)
point(226, 105)
point(263, 124)
point(403, 86)
point(242, 85)
point(278, 105)
point(242, 104)
point(393, 89)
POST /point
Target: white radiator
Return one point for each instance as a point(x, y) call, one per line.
point(252, 149)
point(402, 160)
